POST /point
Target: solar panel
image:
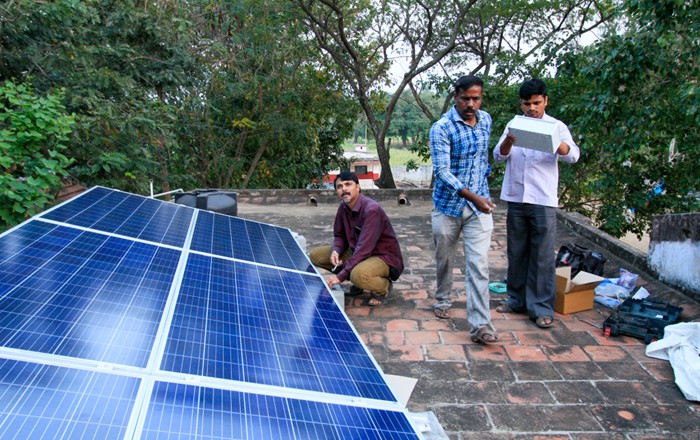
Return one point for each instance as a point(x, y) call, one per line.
point(42, 401)
point(127, 317)
point(125, 214)
point(246, 240)
point(201, 412)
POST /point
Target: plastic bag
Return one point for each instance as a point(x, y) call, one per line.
point(613, 303)
point(611, 290)
point(627, 279)
point(610, 294)
point(641, 293)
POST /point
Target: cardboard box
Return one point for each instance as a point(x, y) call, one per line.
point(535, 134)
point(575, 295)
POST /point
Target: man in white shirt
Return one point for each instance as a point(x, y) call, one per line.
point(530, 188)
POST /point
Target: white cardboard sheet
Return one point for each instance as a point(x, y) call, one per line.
point(535, 134)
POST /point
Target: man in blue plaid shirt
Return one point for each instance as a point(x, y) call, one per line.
point(462, 204)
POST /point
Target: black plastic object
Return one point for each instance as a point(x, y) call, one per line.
point(223, 202)
point(641, 318)
point(580, 259)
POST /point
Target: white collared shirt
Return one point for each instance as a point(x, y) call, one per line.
point(533, 176)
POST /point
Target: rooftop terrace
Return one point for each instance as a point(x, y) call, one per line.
point(568, 382)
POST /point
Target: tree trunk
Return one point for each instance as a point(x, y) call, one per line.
point(254, 164)
point(386, 178)
point(162, 153)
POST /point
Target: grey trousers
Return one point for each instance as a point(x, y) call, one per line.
point(532, 231)
point(476, 236)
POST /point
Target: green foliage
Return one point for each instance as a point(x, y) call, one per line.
point(190, 94)
point(33, 132)
point(120, 64)
point(266, 116)
point(634, 100)
point(260, 93)
point(409, 123)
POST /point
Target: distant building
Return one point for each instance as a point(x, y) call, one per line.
point(363, 163)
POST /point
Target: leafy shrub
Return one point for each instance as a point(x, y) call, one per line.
point(32, 132)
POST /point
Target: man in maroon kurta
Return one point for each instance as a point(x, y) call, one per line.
point(365, 249)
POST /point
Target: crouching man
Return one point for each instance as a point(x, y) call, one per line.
point(365, 249)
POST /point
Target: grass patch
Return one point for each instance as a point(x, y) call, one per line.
point(398, 156)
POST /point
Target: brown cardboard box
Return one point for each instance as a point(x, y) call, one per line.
point(575, 295)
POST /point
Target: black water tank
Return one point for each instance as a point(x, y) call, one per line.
point(223, 202)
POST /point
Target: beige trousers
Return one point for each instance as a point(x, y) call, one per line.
point(371, 274)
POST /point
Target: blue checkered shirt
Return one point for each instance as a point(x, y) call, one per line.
point(460, 160)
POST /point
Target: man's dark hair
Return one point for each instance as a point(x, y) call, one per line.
point(466, 82)
point(346, 175)
point(533, 87)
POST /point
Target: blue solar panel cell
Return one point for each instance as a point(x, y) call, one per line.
point(126, 214)
point(129, 214)
point(168, 224)
point(234, 237)
point(98, 298)
point(21, 252)
point(220, 235)
point(77, 208)
point(263, 325)
point(189, 411)
point(48, 402)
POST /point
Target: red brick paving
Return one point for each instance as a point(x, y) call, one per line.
point(445, 352)
point(605, 353)
point(481, 353)
point(565, 353)
point(525, 353)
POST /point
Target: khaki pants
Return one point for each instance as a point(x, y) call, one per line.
point(371, 274)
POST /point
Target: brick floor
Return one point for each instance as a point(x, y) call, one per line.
point(567, 382)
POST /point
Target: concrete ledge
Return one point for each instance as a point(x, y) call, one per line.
point(326, 196)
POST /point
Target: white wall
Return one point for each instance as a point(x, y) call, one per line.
point(677, 263)
point(420, 177)
point(674, 250)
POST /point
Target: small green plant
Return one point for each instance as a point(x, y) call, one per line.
point(32, 132)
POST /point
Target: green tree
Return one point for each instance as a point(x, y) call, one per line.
point(264, 114)
point(33, 132)
point(189, 93)
point(409, 122)
point(438, 39)
point(633, 98)
point(120, 63)
point(511, 40)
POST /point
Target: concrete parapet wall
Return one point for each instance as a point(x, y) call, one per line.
point(674, 251)
point(324, 196)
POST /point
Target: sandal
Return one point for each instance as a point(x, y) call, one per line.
point(375, 300)
point(544, 321)
point(485, 335)
point(442, 313)
point(505, 308)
